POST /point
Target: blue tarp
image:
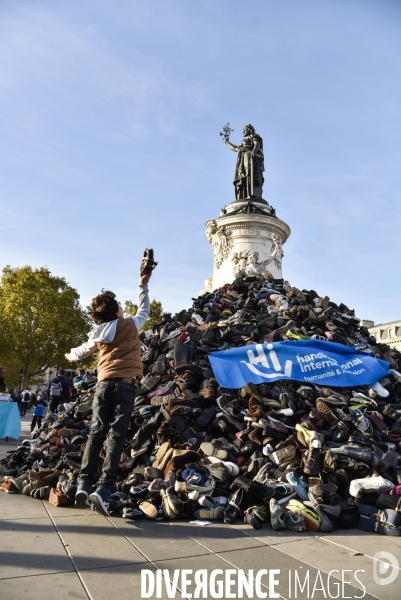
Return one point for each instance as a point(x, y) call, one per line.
point(10, 422)
point(310, 361)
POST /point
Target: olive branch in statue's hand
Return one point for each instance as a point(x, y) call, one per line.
point(226, 132)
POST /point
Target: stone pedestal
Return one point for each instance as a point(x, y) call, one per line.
point(246, 239)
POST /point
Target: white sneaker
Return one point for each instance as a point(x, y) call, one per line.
point(379, 484)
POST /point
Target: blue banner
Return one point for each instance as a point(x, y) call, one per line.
point(311, 361)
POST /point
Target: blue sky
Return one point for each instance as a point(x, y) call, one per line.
point(109, 121)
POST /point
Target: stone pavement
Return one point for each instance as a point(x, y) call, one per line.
point(58, 553)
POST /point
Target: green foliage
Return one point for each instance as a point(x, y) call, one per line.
point(155, 314)
point(40, 320)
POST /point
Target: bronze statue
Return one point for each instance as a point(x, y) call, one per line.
point(248, 178)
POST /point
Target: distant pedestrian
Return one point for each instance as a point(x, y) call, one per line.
point(32, 400)
point(58, 390)
point(38, 413)
point(24, 402)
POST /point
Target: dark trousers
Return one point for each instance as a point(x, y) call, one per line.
point(36, 420)
point(53, 403)
point(111, 416)
point(24, 406)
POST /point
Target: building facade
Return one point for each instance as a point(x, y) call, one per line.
point(386, 333)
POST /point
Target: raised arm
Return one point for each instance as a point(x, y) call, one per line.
point(86, 349)
point(231, 146)
point(143, 301)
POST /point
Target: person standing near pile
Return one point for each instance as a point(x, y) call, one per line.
point(38, 412)
point(120, 364)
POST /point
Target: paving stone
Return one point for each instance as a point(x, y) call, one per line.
point(67, 511)
point(51, 587)
point(209, 562)
point(275, 558)
point(122, 582)
point(364, 542)
point(217, 537)
point(270, 537)
point(31, 547)
point(93, 542)
point(18, 506)
point(158, 540)
point(325, 556)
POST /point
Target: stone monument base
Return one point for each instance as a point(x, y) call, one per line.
point(246, 239)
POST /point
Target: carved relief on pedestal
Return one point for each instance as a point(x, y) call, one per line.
point(221, 241)
point(246, 262)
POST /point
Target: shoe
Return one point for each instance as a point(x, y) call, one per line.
point(214, 513)
point(163, 455)
point(172, 506)
point(294, 522)
point(236, 504)
point(255, 516)
point(326, 413)
point(100, 500)
point(82, 496)
point(379, 484)
point(42, 493)
point(312, 520)
point(299, 484)
point(182, 457)
point(131, 513)
point(8, 486)
point(325, 524)
point(314, 461)
point(277, 515)
point(137, 492)
point(285, 454)
point(148, 263)
point(148, 509)
point(209, 450)
point(73, 459)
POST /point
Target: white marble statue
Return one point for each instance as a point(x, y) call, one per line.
point(220, 240)
point(246, 262)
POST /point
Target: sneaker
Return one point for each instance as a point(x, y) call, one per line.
point(214, 513)
point(82, 496)
point(312, 520)
point(100, 499)
point(277, 515)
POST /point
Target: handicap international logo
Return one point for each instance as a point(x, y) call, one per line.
point(311, 361)
point(385, 568)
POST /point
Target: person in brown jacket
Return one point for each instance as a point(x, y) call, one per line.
point(117, 339)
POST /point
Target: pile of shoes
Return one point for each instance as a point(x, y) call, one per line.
point(295, 456)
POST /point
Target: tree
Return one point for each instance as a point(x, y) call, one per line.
point(155, 314)
point(40, 320)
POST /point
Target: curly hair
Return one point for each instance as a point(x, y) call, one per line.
point(104, 307)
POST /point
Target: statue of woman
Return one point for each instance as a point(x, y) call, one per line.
point(248, 178)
